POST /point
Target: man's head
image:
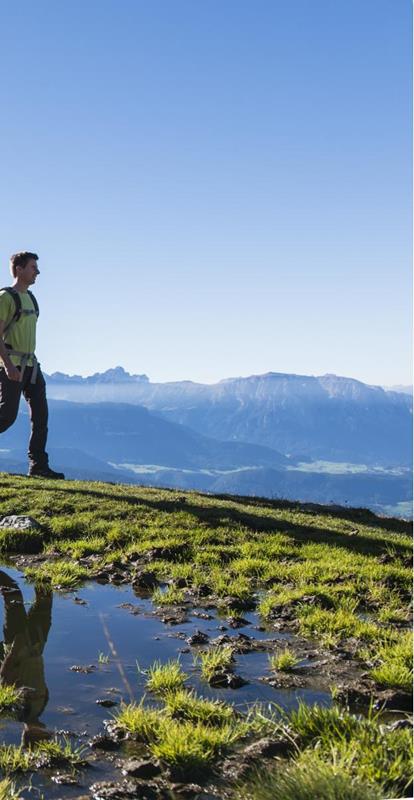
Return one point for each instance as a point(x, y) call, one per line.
point(24, 266)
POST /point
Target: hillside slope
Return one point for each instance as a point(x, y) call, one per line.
point(321, 594)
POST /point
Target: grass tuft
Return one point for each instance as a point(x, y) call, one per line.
point(283, 661)
point(214, 660)
point(395, 669)
point(170, 597)
point(8, 790)
point(188, 706)
point(10, 697)
point(14, 759)
point(143, 722)
point(190, 748)
point(60, 574)
point(166, 677)
point(308, 778)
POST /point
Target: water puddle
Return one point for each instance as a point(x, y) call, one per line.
point(104, 631)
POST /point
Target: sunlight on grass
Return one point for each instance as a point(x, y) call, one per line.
point(166, 677)
point(283, 661)
point(215, 659)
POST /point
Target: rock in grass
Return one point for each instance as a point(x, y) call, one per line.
point(144, 579)
point(394, 699)
point(267, 748)
point(19, 522)
point(237, 622)
point(104, 742)
point(106, 702)
point(198, 637)
point(400, 724)
point(144, 768)
point(107, 790)
point(223, 679)
point(85, 669)
point(65, 779)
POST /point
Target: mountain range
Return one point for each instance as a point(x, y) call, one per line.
point(304, 417)
point(319, 439)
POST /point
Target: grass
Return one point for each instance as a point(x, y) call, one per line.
point(8, 790)
point(10, 697)
point(188, 733)
point(140, 720)
point(395, 667)
point(186, 705)
point(60, 574)
point(237, 549)
point(189, 748)
point(284, 661)
point(14, 759)
point(215, 659)
point(170, 597)
point(168, 677)
point(338, 755)
point(57, 752)
point(342, 623)
point(366, 749)
point(102, 658)
point(309, 777)
point(13, 540)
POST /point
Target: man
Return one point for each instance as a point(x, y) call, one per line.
point(21, 371)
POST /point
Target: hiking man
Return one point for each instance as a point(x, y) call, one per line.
point(21, 371)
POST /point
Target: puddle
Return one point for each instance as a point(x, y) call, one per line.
point(46, 633)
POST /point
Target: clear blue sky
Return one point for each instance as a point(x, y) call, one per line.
point(214, 187)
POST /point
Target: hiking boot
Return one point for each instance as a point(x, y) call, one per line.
point(45, 472)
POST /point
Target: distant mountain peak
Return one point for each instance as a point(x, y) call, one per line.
point(113, 375)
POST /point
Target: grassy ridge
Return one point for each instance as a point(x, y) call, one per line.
point(337, 575)
point(341, 573)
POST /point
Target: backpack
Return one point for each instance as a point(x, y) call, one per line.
point(18, 310)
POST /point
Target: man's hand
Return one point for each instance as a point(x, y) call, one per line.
point(12, 372)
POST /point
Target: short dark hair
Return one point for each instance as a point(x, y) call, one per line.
point(20, 260)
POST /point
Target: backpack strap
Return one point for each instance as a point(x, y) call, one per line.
point(34, 301)
point(18, 307)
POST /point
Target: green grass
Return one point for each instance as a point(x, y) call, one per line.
point(366, 749)
point(168, 677)
point(60, 574)
point(283, 661)
point(309, 777)
point(140, 720)
point(214, 660)
point(14, 759)
point(170, 597)
point(102, 658)
point(395, 667)
point(342, 623)
point(8, 790)
point(186, 705)
point(238, 549)
point(13, 540)
point(188, 733)
point(10, 697)
point(190, 748)
point(60, 752)
point(79, 548)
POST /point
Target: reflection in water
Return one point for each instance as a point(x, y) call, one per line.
point(21, 652)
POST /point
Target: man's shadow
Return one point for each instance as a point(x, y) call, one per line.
point(21, 652)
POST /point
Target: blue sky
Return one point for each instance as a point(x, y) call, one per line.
point(214, 187)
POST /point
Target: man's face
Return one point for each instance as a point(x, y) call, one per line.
point(30, 272)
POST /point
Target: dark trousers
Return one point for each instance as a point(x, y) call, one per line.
point(35, 394)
